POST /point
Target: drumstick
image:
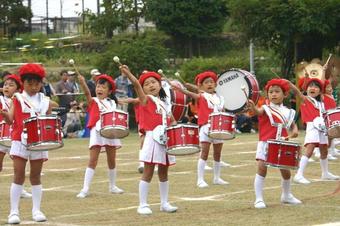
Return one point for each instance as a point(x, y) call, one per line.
point(71, 61)
point(160, 71)
point(325, 66)
point(244, 91)
point(272, 70)
point(116, 59)
point(178, 75)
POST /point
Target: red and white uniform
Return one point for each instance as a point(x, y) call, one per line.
point(150, 116)
point(5, 103)
point(95, 108)
point(208, 103)
point(329, 102)
point(311, 114)
point(26, 106)
point(272, 115)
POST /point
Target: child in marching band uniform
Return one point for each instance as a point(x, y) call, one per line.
point(269, 115)
point(154, 116)
point(312, 109)
point(28, 104)
point(208, 102)
point(12, 84)
point(105, 86)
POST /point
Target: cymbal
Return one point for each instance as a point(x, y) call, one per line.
point(315, 71)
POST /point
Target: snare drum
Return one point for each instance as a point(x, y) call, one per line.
point(182, 139)
point(332, 120)
point(283, 154)
point(43, 133)
point(222, 126)
point(229, 86)
point(114, 124)
point(5, 134)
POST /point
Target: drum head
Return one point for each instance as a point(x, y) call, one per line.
point(229, 85)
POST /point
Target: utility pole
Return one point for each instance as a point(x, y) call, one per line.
point(98, 8)
point(47, 17)
point(30, 19)
point(83, 15)
point(136, 19)
point(61, 17)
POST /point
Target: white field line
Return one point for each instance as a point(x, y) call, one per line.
point(329, 224)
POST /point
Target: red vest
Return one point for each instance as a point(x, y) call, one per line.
point(329, 102)
point(18, 121)
point(308, 111)
point(94, 114)
point(203, 111)
point(148, 117)
point(266, 130)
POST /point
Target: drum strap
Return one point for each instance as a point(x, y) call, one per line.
point(215, 101)
point(160, 108)
point(103, 107)
point(5, 104)
point(317, 104)
point(279, 118)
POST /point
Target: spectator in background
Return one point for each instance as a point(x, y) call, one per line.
point(91, 83)
point(47, 88)
point(63, 90)
point(123, 90)
point(5, 73)
point(72, 81)
point(244, 123)
point(72, 125)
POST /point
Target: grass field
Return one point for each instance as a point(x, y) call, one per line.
point(217, 205)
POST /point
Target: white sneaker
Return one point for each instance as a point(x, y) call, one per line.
point(202, 184)
point(168, 208)
point(13, 218)
point(116, 190)
point(300, 180)
point(336, 152)
point(329, 176)
point(311, 160)
point(82, 194)
point(259, 204)
point(331, 157)
point(25, 194)
point(220, 181)
point(238, 131)
point(144, 210)
point(206, 167)
point(290, 200)
point(252, 131)
point(38, 216)
point(224, 164)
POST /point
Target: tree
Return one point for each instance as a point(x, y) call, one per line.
point(12, 16)
point(188, 20)
point(297, 29)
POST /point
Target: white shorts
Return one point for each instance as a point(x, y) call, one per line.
point(19, 150)
point(261, 151)
point(97, 140)
point(204, 135)
point(314, 136)
point(153, 152)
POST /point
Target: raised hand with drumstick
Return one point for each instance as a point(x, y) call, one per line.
point(271, 117)
point(154, 116)
point(208, 102)
point(105, 86)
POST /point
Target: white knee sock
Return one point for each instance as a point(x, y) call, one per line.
point(112, 177)
point(285, 187)
point(164, 191)
point(324, 166)
point(258, 186)
point(15, 193)
point(217, 170)
point(89, 172)
point(200, 169)
point(302, 165)
point(36, 197)
point(143, 192)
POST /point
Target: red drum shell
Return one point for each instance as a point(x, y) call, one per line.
point(230, 84)
point(5, 135)
point(222, 126)
point(182, 139)
point(43, 133)
point(114, 124)
point(283, 154)
point(332, 121)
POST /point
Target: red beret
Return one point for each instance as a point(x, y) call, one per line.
point(148, 74)
point(302, 83)
point(309, 80)
point(15, 78)
point(35, 69)
point(109, 79)
point(326, 83)
point(200, 77)
point(278, 82)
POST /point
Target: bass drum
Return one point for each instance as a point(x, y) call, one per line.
point(230, 84)
point(178, 100)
